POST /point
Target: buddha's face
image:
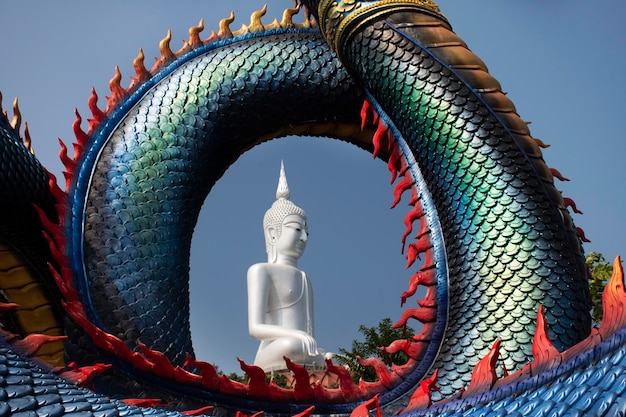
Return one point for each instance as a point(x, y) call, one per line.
point(293, 237)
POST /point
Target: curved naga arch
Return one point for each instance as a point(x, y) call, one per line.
point(506, 286)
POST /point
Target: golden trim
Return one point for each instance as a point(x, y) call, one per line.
point(338, 16)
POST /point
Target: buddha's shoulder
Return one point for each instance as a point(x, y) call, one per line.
point(261, 267)
point(270, 268)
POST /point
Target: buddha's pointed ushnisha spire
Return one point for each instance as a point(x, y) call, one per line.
point(281, 208)
point(283, 188)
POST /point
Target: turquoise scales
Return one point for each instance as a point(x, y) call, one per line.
point(510, 241)
point(507, 235)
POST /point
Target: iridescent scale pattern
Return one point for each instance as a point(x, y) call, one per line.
point(508, 247)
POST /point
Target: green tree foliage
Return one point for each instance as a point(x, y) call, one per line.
point(600, 271)
point(279, 379)
point(233, 376)
point(374, 338)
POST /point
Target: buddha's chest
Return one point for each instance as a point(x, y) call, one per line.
point(288, 290)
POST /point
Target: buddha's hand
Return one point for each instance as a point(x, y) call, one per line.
point(310, 345)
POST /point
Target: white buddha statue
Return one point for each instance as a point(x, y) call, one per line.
point(280, 298)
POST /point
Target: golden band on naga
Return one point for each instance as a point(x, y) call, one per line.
point(339, 20)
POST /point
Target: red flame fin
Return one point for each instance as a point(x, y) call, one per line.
point(422, 397)
point(545, 355)
point(32, 343)
point(614, 302)
point(484, 374)
point(257, 384)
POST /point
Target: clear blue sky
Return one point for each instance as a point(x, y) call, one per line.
point(562, 63)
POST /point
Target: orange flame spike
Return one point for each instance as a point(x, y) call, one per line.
point(141, 72)
point(571, 204)
point(185, 48)
point(484, 374)
point(541, 143)
point(16, 122)
point(194, 34)
point(288, 14)
point(28, 143)
point(614, 302)
point(97, 115)
point(557, 174)
point(167, 55)
point(117, 91)
point(212, 37)
point(581, 233)
point(224, 25)
point(255, 20)
point(545, 355)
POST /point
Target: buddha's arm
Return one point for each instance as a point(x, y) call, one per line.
point(258, 294)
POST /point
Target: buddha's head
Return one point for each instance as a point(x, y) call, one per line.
point(284, 224)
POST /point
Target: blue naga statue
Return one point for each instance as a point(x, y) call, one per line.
point(95, 308)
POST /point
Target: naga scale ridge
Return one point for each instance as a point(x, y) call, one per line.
point(505, 314)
